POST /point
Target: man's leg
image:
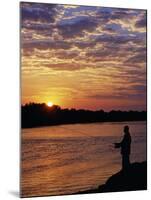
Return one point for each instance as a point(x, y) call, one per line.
point(125, 161)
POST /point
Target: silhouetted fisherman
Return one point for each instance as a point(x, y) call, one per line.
point(125, 146)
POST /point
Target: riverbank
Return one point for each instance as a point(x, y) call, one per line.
point(135, 178)
point(37, 115)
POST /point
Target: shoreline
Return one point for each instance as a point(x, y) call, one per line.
point(60, 124)
point(133, 179)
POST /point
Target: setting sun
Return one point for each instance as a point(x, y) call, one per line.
point(49, 104)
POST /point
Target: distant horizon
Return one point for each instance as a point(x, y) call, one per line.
point(34, 115)
point(143, 110)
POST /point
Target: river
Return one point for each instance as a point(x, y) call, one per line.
point(67, 159)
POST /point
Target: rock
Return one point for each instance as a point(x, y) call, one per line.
point(134, 178)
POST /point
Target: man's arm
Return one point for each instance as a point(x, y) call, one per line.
point(117, 145)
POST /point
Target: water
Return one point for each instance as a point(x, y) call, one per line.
point(67, 159)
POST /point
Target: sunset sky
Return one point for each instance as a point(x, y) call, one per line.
point(83, 57)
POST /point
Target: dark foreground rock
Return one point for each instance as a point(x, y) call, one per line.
point(135, 178)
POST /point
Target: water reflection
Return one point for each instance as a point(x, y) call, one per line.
point(70, 158)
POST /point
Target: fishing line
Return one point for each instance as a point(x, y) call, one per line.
point(95, 138)
point(83, 133)
point(89, 136)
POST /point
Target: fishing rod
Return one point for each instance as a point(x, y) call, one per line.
point(82, 132)
point(88, 135)
point(85, 134)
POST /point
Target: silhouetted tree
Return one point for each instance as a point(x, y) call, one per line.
point(39, 114)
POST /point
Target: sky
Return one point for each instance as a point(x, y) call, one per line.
point(83, 56)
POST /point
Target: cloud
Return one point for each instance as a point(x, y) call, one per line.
point(37, 27)
point(101, 49)
point(133, 92)
point(138, 58)
point(106, 53)
point(67, 66)
point(67, 54)
point(76, 28)
point(118, 39)
point(46, 44)
point(121, 14)
point(142, 22)
point(116, 15)
point(34, 12)
point(118, 96)
point(103, 15)
point(84, 44)
point(139, 88)
point(112, 28)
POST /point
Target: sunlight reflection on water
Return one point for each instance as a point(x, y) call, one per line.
point(69, 158)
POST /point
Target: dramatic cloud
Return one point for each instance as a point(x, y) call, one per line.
point(138, 58)
point(99, 52)
point(142, 22)
point(46, 44)
point(38, 12)
point(76, 28)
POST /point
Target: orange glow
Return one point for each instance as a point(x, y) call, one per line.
point(72, 74)
point(50, 104)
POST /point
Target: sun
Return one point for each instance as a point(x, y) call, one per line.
point(50, 104)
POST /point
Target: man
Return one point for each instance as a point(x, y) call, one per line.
point(125, 146)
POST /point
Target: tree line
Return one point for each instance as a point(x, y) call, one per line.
point(39, 114)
